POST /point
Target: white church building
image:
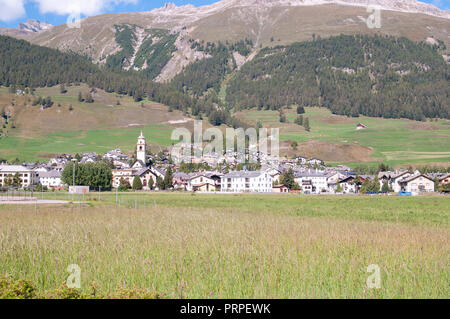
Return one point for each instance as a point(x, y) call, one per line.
point(140, 168)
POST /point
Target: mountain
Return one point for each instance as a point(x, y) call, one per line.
point(34, 26)
point(26, 29)
point(261, 21)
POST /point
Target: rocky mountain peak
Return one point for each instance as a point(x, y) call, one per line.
point(34, 26)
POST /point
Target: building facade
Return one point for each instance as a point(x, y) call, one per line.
point(8, 172)
point(247, 182)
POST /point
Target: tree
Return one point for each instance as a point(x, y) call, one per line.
point(160, 183)
point(168, 178)
point(151, 184)
point(8, 180)
point(300, 110)
point(137, 183)
point(80, 97)
point(365, 187)
point(288, 179)
point(282, 117)
point(89, 98)
point(62, 89)
point(294, 145)
point(124, 185)
point(375, 185)
point(16, 180)
point(306, 124)
point(385, 187)
point(94, 175)
point(299, 120)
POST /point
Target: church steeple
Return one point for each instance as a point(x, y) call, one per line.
point(141, 153)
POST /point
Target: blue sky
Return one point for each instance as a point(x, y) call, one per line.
point(57, 11)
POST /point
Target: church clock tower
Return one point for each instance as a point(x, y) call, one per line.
point(141, 152)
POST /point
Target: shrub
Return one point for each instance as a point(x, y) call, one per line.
point(16, 289)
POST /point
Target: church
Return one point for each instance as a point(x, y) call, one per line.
point(139, 168)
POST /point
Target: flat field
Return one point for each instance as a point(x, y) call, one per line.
point(232, 246)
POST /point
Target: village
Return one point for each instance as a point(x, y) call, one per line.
point(146, 172)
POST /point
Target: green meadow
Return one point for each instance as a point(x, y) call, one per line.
point(73, 142)
point(393, 141)
point(112, 121)
point(174, 245)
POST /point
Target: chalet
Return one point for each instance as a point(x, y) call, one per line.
point(393, 178)
point(445, 180)
point(352, 184)
point(180, 180)
point(317, 179)
point(205, 182)
point(333, 179)
point(349, 185)
point(417, 184)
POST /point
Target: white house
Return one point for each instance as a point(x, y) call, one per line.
point(333, 179)
point(417, 184)
point(50, 179)
point(205, 182)
point(393, 179)
point(38, 171)
point(315, 181)
point(245, 181)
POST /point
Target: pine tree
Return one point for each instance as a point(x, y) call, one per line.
point(151, 184)
point(306, 124)
point(137, 183)
point(300, 110)
point(385, 187)
point(168, 178)
point(160, 183)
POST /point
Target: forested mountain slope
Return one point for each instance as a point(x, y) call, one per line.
point(371, 75)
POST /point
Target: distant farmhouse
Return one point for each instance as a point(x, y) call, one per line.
point(361, 126)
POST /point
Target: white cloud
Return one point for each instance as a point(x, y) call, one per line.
point(11, 10)
point(85, 7)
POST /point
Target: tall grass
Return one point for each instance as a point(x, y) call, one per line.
point(223, 253)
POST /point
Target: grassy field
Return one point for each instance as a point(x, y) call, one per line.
point(243, 246)
point(97, 127)
point(334, 138)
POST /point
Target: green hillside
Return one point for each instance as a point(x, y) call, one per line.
point(351, 75)
point(334, 138)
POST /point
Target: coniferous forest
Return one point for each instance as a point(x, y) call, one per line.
point(351, 75)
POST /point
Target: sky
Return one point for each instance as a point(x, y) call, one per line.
point(12, 12)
